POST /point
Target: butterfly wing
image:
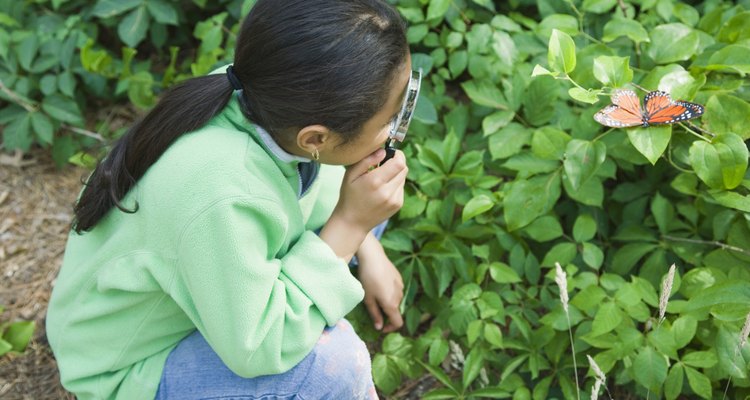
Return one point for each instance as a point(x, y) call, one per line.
point(625, 111)
point(662, 110)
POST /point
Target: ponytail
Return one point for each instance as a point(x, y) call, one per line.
point(183, 108)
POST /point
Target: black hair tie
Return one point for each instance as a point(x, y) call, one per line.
point(236, 84)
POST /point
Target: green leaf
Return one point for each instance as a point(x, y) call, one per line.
point(735, 29)
point(724, 114)
point(48, 84)
point(650, 141)
point(485, 93)
point(617, 27)
point(5, 347)
point(549, 143)
point(584, 95)
point(526, 200)
point(110, 8)
point(472, 366)
point(496, 392)
point(27, 51)
point(628, 255)
point(563, 253)
point(141, 89)
point(495, 121)
point(592, 255)
point(663, 212)
point(132, 29)
point(457, 62)
point(539, 70)
point(493, 335)
point(438, 374)
point(613, 71)
point(19, 334)
point(582, 158)
point(437, 8)
point(706, 163)
point(683, 329)
point(509, 141)
point(607, 318)
point(732, 58)
point(650, 368)
point(17, 134)
point(662, 48)
point(43, 127)
point(425, 111)
point(62, 108)
point(584, 228)
point(477, 205)
point(163, 12)
point(700, 359)
point(502, 273)
point(385, 373)
point(544, 229)
point(733, 156)
point(733, 200)
point(673, 384)
point(598, 6)
point(562, 52)
point(700, 383)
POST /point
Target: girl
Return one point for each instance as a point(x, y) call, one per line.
point(194, 270)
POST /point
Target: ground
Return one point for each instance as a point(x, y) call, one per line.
point(36, 201)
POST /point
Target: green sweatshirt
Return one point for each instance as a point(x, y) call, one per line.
point(222, 243)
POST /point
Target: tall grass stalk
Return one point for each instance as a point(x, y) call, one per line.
point(666, 290)
point(743, 339)
point(562, 282)
point(601, 379)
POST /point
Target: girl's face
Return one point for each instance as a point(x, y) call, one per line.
point(374, 132)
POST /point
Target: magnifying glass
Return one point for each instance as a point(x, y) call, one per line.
point(400, 124)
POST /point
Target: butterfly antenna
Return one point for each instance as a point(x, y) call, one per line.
point(698, 128)
point(639, 87)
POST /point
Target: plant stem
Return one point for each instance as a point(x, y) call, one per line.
point(575, 366)
point(18, 99)
point(698, 135)
point(84, 132)
point(708, 243)
point(726, 388)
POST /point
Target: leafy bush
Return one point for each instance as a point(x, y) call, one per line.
point(62, 61)
point(509, 175)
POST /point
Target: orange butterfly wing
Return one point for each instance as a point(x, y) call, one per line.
point(662, 110)
point(625, 111)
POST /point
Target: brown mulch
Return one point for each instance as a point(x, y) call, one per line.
point(35, 213)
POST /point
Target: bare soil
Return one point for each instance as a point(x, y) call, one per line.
point(36, 201)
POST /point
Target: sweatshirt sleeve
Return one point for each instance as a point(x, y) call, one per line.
point(261, 313)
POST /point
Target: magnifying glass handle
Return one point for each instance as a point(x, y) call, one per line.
point(390, 151)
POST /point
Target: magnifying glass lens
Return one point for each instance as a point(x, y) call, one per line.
point(400, 125)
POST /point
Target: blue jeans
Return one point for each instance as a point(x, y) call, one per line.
point(338, 367)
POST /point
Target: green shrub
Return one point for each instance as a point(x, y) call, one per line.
point(510, 174)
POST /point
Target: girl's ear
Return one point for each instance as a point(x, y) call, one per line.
point(314, 138)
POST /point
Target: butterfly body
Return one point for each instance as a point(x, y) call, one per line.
point(659, 109)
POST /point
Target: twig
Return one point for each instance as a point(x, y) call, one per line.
point(708, 243)
point(84, 132)
point(623, 8)
point(18, 99)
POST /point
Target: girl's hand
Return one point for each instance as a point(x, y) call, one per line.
point(383, 285)
point(368, 197)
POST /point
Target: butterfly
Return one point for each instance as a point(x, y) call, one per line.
point(626, 111)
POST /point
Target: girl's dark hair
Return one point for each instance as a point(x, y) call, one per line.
point(301, 62)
